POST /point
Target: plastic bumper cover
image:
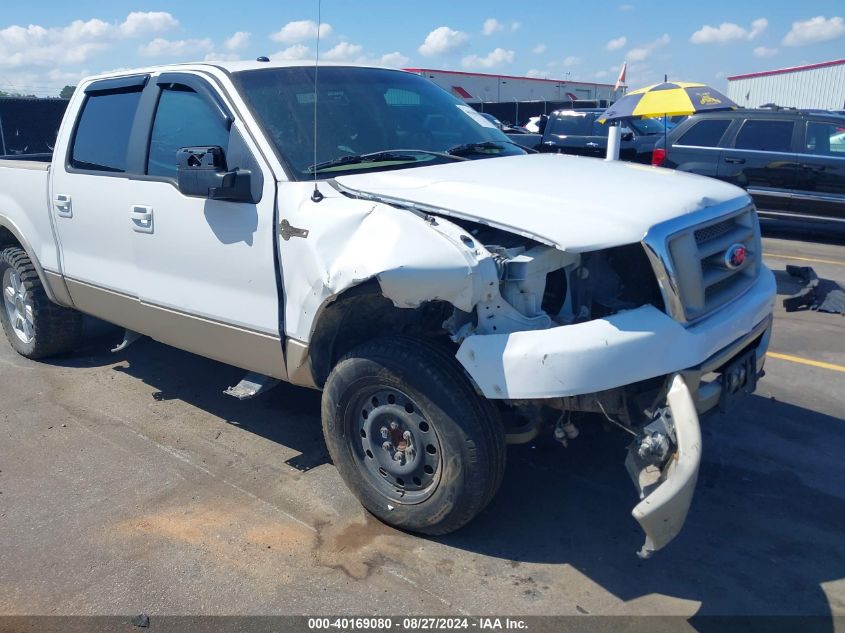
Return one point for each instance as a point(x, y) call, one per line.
point(611, 352)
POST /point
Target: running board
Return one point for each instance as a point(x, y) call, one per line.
point(251, 385)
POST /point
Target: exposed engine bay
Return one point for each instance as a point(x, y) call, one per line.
point(542, 287)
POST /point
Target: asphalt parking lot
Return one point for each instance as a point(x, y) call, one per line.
point(129, 483)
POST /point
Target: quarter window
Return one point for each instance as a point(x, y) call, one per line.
point(183, 119)
point(705, 133)
point(825, 139)
point(101, 141)
point(767, 136)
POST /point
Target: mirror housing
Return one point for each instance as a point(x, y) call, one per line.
point(627, 136)
point(202, 173)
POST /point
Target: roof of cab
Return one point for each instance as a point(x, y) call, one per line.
point(231, 66)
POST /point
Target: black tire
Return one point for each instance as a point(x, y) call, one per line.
point(456, 454)
point(54, 329)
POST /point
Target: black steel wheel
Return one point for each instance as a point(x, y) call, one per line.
point(410, 437)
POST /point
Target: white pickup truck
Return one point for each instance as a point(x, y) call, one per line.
point(376, 239)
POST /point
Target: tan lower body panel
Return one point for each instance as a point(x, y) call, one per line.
point(247, 349)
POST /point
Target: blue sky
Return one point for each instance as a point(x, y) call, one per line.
point(45, 45)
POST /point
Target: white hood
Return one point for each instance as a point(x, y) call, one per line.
point(573, 203)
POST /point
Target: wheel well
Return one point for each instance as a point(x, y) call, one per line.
point(7, 238)
point(363, 313)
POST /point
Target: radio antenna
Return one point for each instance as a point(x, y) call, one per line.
point(316, 196)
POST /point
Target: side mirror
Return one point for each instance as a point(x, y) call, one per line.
point(202, 173)
point(627, 136)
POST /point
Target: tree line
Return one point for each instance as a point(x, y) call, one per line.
point(64, 93)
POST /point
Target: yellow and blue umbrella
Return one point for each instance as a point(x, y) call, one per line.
point(667, 99)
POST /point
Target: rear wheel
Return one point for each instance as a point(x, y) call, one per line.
point(35, 326)
point(410, 437)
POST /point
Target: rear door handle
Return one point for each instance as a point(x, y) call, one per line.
point(142, 218)
point(63, 206)
point(735, 161)
point(591, 144)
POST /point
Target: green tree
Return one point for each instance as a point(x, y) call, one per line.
point(67, 92)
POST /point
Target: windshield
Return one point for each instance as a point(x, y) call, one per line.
point(646, 126)
point(364, 113)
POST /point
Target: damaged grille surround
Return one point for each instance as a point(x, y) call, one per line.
point(688, 257)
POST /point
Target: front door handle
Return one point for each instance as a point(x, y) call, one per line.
point(142, 218)
point(735, 161)
point(591, 144)
point(63, 206)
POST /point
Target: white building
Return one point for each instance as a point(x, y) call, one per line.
point(487, 88)
point(812, 86)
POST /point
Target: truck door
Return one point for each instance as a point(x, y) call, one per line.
point(206, 269)
point(762, 161)
point(820, 190)
point(90, 173)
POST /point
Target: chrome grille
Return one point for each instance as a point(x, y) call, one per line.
point(690, 262)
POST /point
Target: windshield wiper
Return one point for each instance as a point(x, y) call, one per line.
point(384, 156)
point(478, 148)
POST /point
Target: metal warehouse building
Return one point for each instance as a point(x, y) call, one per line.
point(812, 86)
point(487, 88)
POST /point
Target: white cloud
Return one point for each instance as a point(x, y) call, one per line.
point(143, 23)
point(728, 32)
point(79, 41)
point(222, 57)
point(443, 40)
point(183, 49)
point(491, 25)
point(601, 74)
point(616, 44)
point(515, 26)
point(762, 51)
point(295, 52)
point(395, 60)
point(539, 49)
point(236, 41)
point(817, 29)
point(495, 58)
point(643, 52)
point(299, 31)
point(572, 60)
point(538, 74)
point(345, 52)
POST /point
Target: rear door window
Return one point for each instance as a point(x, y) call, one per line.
point(571, 125)
point(705, 133)
point(766, 136)
point(102, 135)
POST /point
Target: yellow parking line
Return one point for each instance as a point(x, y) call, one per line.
point(806, 259)
point(807, 361)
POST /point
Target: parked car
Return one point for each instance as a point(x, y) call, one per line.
point(792, 162)
point(427, 275)
point(578, 132)
point(504, 127)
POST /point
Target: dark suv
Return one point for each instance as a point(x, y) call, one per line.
point(792, 162)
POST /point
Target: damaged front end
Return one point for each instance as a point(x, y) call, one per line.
point(551, 334)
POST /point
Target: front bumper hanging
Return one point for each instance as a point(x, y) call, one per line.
point(665, 503)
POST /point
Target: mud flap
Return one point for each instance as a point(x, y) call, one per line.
point(663, 510)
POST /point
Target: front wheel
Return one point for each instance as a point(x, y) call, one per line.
point(410, 437)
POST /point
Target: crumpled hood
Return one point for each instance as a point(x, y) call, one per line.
point(574, 203)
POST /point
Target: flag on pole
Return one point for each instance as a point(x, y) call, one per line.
point(621, 80)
